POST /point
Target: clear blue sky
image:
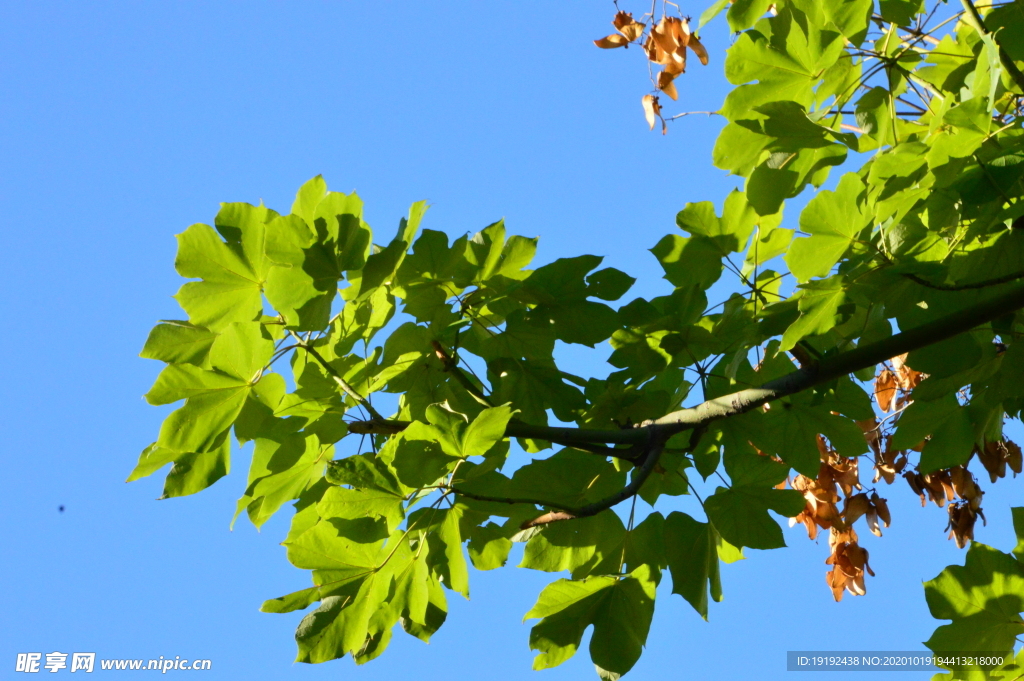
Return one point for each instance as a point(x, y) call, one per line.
point(121, 123)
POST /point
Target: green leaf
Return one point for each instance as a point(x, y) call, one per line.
point(452, 567)
point(951, 356)
point(692, 552)
point(230, 288)
point(281, 470)
point(533, 387)
point(609, 283)
point(740, 514)
point(744, 13)
point(339, 226)
point(179, 343)
point(952, 435)
point(355, 504)
point(308, 197)
point(791, 431)
point(305, 281)
point(489, 547)
point(850, 17)
point(241, 350)
point(576, 545)
point(152, 459)
point(832, 219)
point(983, 600)
point(202, 424)
point(671, 482)
point(822, 306)
point(214, 398)
point(689, 261)
point(463, 440)
point(873, 115)
point(297, 600)
point(584, 322)
point(434, 613)
point(787, 55)
point(381, 267)
point(711, 12)
point(416, 458)
point(951, 444)
point(645, 545)
point(570, 476)
point(340, 625)
point(744, 465)
point(195, 471)
point(1018, 528)
point(485, 249)
point(920, 419)
point(364, 471)
point(900, 12)
point(523, 337)
point(620, 611)
point(322, 547)
point(730, 232)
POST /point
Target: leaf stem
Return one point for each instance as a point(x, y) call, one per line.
point(451, 365)
point(342, 383)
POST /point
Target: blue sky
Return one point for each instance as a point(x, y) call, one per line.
point(123, 123)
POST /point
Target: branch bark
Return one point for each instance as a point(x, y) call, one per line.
point(824, 370)
point(829, 368)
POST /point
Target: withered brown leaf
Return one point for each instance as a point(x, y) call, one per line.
point(666, 85)
point(698, 49)
point(625, 24)
point(612, 41)
point(885, 389)
point(652, 111)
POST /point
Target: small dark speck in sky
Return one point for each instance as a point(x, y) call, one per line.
point(61, 508)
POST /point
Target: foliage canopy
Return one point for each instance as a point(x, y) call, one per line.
point(901, 282)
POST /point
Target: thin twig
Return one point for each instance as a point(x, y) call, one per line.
point(342, 383)
point(974, 18)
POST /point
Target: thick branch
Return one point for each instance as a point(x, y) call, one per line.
point(826, 369)
point(965, 287)
point(568, 437)
point(974, 18)
point(829, 368)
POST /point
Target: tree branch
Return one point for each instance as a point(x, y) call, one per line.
point(567, 437)
point(503, 500)
point(974, 18)
point(966, 287)
point(652, 452)
point(829, 368)
point(995, 281)
point(826, 369)
point(342, 383)
point(452, 367)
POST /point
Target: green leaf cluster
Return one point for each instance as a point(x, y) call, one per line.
point(383, 382)
point(984, 599)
